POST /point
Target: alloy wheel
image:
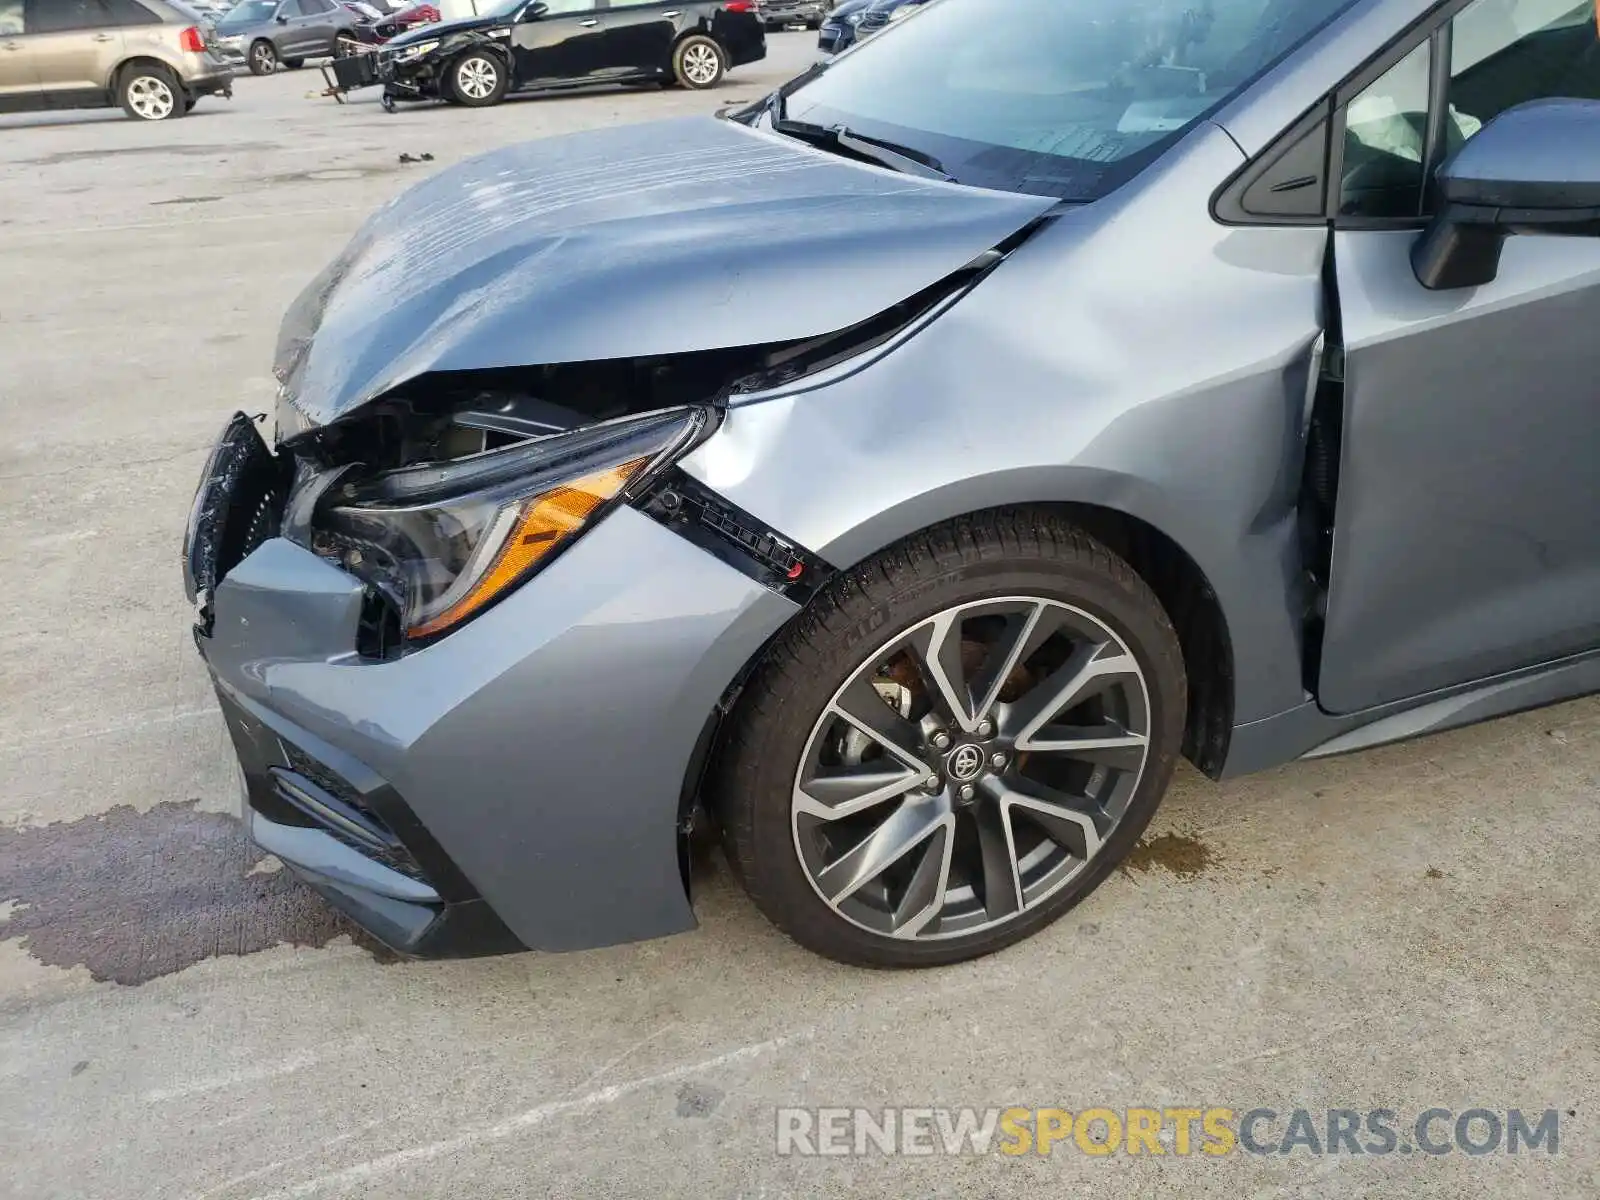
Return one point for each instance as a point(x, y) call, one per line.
point(477, 78)
point(266, 59)
point(970, 768)
point(701, 64)
point(151, 98)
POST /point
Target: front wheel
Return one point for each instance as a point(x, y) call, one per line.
point(263, 58)
point(151, 93)
point(955, 745)
point(698, 62)
point(477, 79)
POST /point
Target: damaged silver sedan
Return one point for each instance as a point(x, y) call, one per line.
point(898, 476)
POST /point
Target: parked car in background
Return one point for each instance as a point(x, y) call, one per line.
point(779, 14)
point(881, 13)
point(266, 33)
point(376, 24)
point(152, 57)
point(838, 32)
point(539, 45)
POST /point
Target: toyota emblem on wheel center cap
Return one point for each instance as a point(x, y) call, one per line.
point(966, 763)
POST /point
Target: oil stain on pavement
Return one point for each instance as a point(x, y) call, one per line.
point(136, 895)
point(1182, 854)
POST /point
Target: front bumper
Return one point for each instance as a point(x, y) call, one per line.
point(520, 782)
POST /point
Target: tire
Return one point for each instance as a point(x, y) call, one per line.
point(698, 62)
point(1103, 628)
point(478, 79)
point(263, 57)
point(150, 92)
point(294, 64)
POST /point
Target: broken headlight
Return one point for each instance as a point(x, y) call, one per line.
point(444, 540)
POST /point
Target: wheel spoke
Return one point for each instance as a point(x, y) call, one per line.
point(906, 828)
point(925, 895)
point(1107, 745)
point(997, 847)
point(1024, 633)
point(937, 646)
point(852, 790)
point(1073, 822)
point(1088, 671)
point(862, 706)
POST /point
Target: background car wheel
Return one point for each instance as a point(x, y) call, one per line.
point(345, 46)
point(954, 745)
point(698, 62)
point(151, 93)
point(294, 64)
point(263, 58)
point(477, 79)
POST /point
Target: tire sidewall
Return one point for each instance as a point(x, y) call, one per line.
point(767, 778)
point(501, 79)
point(180, 101)
point(682, 49)
point(255, 62)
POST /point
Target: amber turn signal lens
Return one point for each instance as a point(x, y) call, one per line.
point(547, 520)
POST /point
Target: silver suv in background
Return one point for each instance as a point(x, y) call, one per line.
point(150, 56)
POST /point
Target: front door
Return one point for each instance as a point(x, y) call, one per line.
point(558, 41)
point(639, 36)
point(19, 83)
point(1467, 529)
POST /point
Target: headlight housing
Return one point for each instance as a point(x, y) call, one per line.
point(406, 53)
point(445, 541)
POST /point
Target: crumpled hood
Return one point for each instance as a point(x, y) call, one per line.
point(440, 29)
point(680, 235)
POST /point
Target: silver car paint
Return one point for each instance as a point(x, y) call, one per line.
point(1467, 540)
point(543, 744)
point(1164, 379)
point(1134, 355)
point(689, 234)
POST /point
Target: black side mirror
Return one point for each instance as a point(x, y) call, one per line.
point(282, 19)
point(535, 10)
point(1534, 169)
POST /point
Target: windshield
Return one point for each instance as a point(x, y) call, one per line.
point(251, 12)
point(1067, 98)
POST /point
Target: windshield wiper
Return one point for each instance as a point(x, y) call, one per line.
point(905, 159)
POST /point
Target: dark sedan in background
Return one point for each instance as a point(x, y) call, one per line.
point(539, 45)
point(839, 30)
point(881, 13)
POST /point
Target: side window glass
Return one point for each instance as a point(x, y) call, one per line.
point(1386, 130)
point(64, 16)
point(129, 12)
point(1508, 52)
point(10, 18)
point(559, 8)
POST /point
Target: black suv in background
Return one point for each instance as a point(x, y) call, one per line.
point(539, 45)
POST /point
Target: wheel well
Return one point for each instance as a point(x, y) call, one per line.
point(1179, 584)
point(689, 33)
point(142, 61)
point(1187, 595)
